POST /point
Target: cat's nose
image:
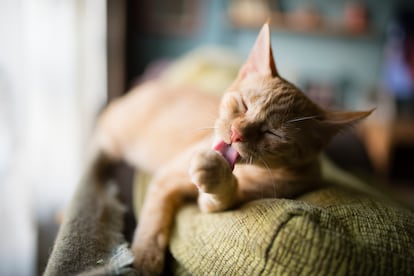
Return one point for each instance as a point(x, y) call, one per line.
point(235, 135)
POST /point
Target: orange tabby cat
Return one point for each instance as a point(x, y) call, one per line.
point(267, 139)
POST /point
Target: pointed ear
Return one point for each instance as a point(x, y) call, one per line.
point(334, 122)
point(260, 60)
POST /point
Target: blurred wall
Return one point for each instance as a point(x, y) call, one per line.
point(355, 60)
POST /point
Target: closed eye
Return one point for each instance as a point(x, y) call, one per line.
point(242, 104)
point(273, 132)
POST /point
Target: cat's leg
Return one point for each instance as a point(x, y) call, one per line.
point(165, 194)
point(217, 185)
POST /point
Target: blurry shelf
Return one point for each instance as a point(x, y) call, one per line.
point(287, 23)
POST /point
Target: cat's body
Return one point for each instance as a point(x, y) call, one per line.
point(264, 128)
point(154, 123)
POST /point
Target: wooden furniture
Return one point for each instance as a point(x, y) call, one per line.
point(381, 138)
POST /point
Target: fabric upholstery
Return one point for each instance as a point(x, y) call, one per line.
point(331, 231)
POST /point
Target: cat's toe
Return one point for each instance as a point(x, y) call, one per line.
point(208, 170)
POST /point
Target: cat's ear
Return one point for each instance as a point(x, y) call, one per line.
point(260, 60)
point(334, 122)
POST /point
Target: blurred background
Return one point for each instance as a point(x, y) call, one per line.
point(62, 60)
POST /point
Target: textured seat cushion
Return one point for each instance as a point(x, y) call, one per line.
point(331, 231)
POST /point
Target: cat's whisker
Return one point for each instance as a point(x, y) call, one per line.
point(301, 119)
point(205, 128)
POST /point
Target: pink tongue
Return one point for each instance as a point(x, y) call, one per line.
point(228, 152)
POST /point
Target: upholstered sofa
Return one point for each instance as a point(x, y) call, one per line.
point(344, 228)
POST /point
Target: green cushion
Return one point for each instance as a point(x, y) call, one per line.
point(331, 231)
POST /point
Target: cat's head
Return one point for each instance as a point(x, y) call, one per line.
point(269, 121)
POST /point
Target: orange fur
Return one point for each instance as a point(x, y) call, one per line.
point(161, 129)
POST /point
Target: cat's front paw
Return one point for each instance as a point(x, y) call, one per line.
point(217, 185)
point(149, 260)
point(210, 172)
